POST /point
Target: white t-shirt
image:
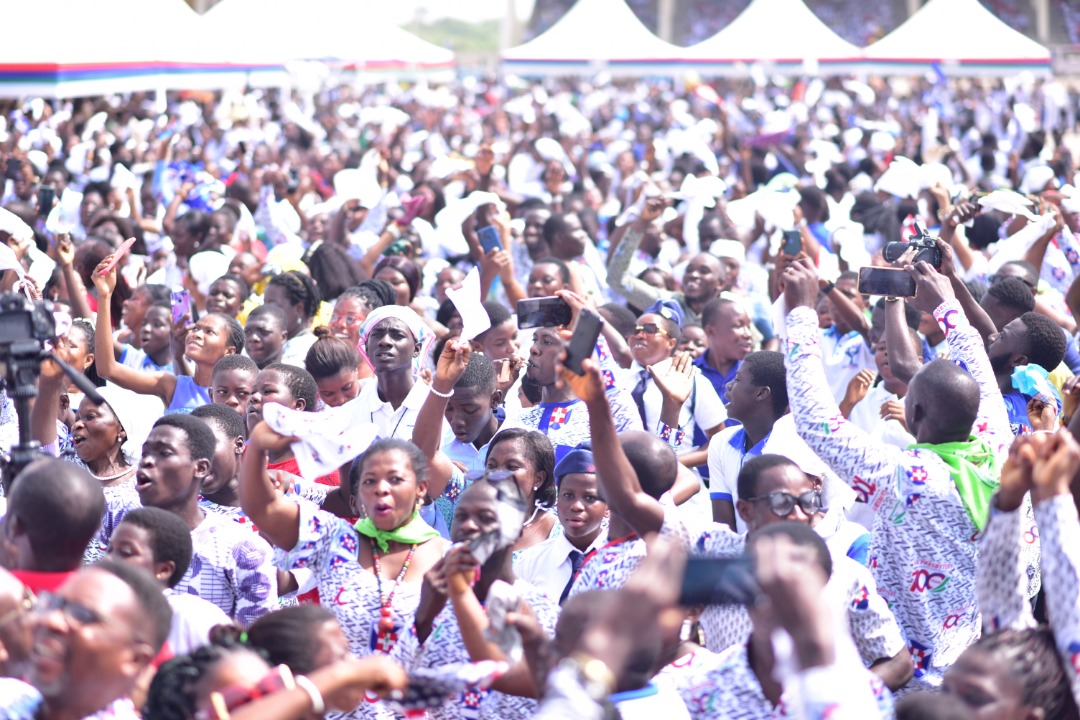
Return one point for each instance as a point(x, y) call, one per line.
point(192, 620)
point(844, 358)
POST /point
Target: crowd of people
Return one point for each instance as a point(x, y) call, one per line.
point(329, 469)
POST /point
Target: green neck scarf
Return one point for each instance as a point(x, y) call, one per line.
point(974, 470)
point(414, 532)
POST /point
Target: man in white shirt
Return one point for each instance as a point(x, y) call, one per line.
point(470, 413)
point(552, 565)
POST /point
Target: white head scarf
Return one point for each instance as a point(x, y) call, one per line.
point(136, 414)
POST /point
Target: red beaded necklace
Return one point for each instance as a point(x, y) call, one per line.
point(386, 623)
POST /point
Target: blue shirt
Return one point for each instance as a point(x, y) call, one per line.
point(719, 381)
point(188, 395)
point(1016, 405)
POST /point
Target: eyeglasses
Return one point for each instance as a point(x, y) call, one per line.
point(26, 605)
point(347, 320)
point(227, 700)
point(783, 504)
point(649, 329)
point(76, 614)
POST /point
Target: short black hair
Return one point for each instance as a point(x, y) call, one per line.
point(1046, 341)
point(156, 613)
point(446, 312)
point(417, 459)
point(379, 293)
point(479, 373)
point(929, 705)
point(1013, 293)
point(950, 397)
point(273, 311)
point(1030, 270)
point(200, 437)
point(653, 461)
point(289, 636)
point(170, 538)
point(712, 309)
point(161, 293)
point(300, 290)
point(224, 417)
point(236, 361)
point(747, 483)
point(800, 535)
point(564, 269)
point(238, 281)
point(365, 294)
point(234, 331)
point(332, 270)
point(300, 383)
point(621, 317)
point(766, 369)
point(1030, 658)
point(497, 312)
point(59, 506)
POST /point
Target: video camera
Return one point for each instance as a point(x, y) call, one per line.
point(927, 249)
point(26, 331)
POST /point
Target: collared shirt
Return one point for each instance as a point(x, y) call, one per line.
point(233, 568)
point(727, 454)
point(844, 357)
point(391, 423)
point(718, 379)
point(295, 350)
point(467, 454)
point(703, 410)
point(547, 566)
point(866, 415)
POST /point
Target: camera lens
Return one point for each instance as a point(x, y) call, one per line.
point(892, 251)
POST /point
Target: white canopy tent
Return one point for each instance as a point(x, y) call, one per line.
point(108, 46)
point(344, 33)
point(785, 36)
point(595, 35)
point(960, 38)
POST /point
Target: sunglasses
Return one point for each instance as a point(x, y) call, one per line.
point(783, 504)
point(347, 320)
point(26, 605)
point(227, 700)
point(649, 329)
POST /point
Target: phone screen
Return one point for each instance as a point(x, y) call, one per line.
point(792, 243)
point(489, 239)
point(719, 581)
point(583, 342)
point(889, 282)
point(543, 312)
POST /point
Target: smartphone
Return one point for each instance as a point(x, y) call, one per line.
point(293, 182)
point(119, 255)
point(181, 306)
point(489, 239)
point(583, 341)
point(890, 282)
point(719, 581)
point(45, 200)
point(13, 169)
point(792, 243)
point(543, 312)
point(504, 371)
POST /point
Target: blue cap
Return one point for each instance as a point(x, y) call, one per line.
point(578, 460)
point(668, 309)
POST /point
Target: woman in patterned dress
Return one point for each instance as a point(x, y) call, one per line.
point(369, 576)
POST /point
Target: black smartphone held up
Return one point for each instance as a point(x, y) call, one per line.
point(890, 282)
point(583, 341)
point(719, 581)
point(13, 169)
point(45, 199)
point(543, 312)
point(792, 243)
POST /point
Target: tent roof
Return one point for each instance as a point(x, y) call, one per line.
point(962, 37)
point(593, 34)
point(759, 35)
point(343, 31)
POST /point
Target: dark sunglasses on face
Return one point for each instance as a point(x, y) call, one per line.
point(649, 329)
point(783, 504)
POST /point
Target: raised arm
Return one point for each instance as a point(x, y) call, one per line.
point(75, 289)
point(160, 384)
point(972, 309)
point(867, 466)
point(905, 355)
point(46, 404)
point(427, 433)
point(1059, 528)
point(636, 292)
point(277, 517)
point(618, 481)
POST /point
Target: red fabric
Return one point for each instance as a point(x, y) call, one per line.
point(291, 466)
point(164, 655)
point(38, 581)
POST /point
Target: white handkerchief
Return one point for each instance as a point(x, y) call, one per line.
point(41, 267)
point(14, 226)
point(466, 299)
point(8, 261)
point(324, 440)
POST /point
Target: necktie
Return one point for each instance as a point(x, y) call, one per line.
point(638, 394)
point(576, 558)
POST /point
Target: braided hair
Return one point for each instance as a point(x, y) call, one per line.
point(172, 693)
point(1031, 657)
point(301, 289)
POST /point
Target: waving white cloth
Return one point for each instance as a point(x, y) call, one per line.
point(325, 440)
point(466, 299)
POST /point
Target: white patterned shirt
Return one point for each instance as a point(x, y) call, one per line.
point(233, 568)
point(119, 501)
point(19, 701)
point(923, 551)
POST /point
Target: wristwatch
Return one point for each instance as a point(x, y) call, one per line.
point(596, 678)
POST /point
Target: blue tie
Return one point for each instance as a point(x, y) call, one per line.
point(576, 558)
point(638, 393)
